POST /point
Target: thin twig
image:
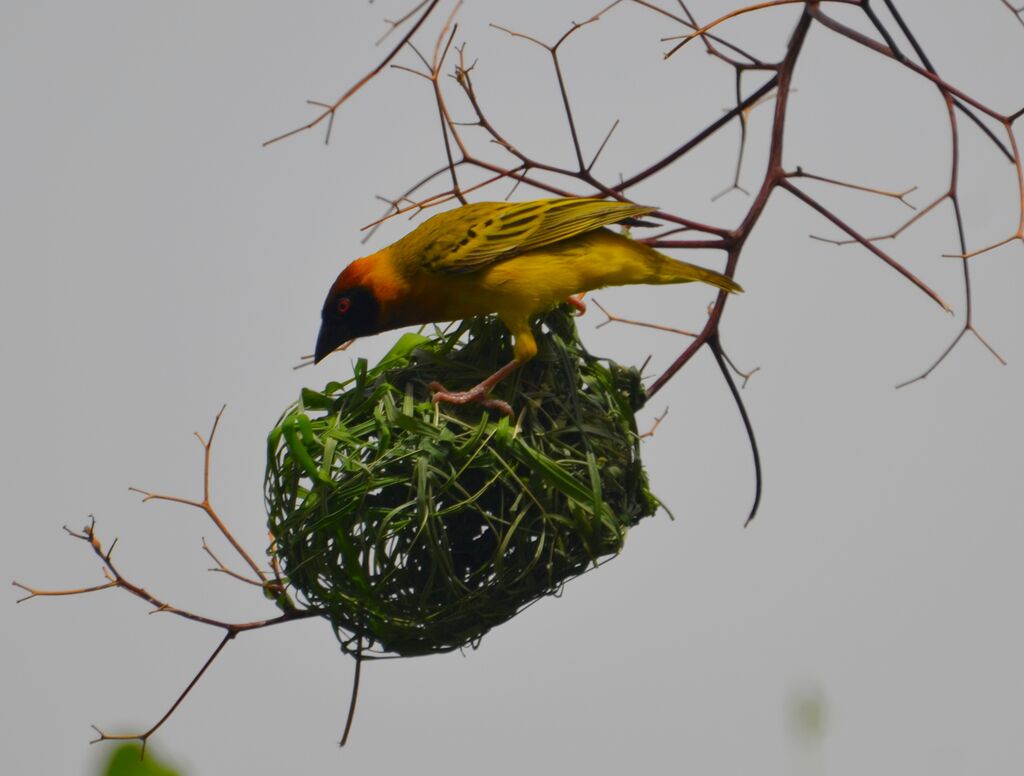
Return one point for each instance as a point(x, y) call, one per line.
point(143, 738)
point(221, 568)
point(657, 422)
point(617, 319)
point(33, 592)
point(1018, 12)
point(333, 107)
point(350, 717)
point(814, 204)
point(897, 195)
point(732, 15)
point(205, 504)
point(716, 349)
point(394, 25)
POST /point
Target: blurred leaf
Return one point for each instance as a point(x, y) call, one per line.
point(127, 760)
point(808, 714)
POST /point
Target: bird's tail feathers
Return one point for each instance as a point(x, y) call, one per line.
point(675, 271)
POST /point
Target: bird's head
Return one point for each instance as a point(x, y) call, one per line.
point(351, 310)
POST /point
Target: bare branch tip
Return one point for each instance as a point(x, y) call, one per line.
point(30, 591)
point(140, 491)
point(101, 736)
point(657, 422)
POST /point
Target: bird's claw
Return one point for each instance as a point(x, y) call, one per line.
point(477, 395)
point(578, 303)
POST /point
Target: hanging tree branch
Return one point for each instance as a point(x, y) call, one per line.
point(582, 179)
point(269, 582)
point(332, 108)
point(476, 154)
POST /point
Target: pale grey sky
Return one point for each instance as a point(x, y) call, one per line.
point(158, 262)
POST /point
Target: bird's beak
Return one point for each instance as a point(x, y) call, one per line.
point(324, 345)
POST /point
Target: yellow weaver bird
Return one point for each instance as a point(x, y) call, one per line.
point(516, 259)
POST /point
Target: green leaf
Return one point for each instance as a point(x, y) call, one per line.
point(291, 429)
point(127, 760)
point(400, 351)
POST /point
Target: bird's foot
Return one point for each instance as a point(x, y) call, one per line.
point(476, 395)
point(578, 303)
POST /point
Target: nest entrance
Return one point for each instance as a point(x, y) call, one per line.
point(416, 527)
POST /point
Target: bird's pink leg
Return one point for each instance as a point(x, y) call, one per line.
point(577, 302)
point(478, 393)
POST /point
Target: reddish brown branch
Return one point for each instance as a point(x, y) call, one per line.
point(918, 216)
point(396, 23)
point(953, 100)
point(616, 319)
point(333, 107)
point(1018, 12)
point(221, 568)
point(700, 137)
point(143, 738)
point(538, 173)
point(205, 504)
point(923, 71)
point(969, 327)
point(723, 365)
point(354, 696)
point(739, 372)
point(814, 204)
point(711, 41)
point(897, 195)
point(463, 164)
point(34, 592)
point(775, 176)
point(698, 33)
point(654, 427)
point(116, 579)
point(274, 588)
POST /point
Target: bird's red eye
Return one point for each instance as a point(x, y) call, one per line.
point(343, 304)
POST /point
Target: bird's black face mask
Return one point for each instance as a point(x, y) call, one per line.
point(347, 314)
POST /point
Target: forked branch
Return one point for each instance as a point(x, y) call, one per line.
point(478, 154)
point(204, 503)
point(272, 585)
point(332, 108)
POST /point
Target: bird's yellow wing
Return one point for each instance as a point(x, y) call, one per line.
point(473, 236)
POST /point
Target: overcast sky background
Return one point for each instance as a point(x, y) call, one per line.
point(158, 262)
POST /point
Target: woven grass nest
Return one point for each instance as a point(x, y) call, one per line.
point(416, 528)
